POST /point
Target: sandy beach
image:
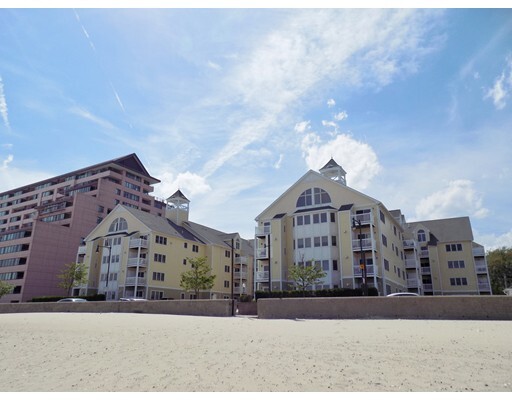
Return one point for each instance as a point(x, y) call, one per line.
point(141, 352)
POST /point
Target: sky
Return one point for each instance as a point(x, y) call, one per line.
point(233, 106)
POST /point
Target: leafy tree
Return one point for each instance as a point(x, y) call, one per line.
point(5, 288)
point(199, 277)
point(73, 274)
point(499, 262)
point(306, 275)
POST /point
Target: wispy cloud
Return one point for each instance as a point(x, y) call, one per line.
point(300, 57)
point(86, 114)
point(7, 161)
point(502, 87)
point(3, 105)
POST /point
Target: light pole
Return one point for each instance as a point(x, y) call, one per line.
point(108, 263)
point(362, 265)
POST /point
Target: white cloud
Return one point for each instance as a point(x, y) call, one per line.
point(213, 65)
point(189, 183)
point(7, 161)
point(3, 105)
point(502, 87)
point(277, 165)
point(329, 123)
point(331, 103)
point(492, 241)
point(357, 158)
point(341, 116)
point(458, 198)
point(302, 127)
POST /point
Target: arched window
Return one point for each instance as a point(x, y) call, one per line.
point(422, 237)
point(313, 197)
point(119, 224)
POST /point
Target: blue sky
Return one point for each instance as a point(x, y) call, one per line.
point(234, 105)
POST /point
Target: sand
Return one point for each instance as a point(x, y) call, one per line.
point(140, 352)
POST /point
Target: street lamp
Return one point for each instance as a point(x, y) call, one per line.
point(357, 223)
point(108, 263)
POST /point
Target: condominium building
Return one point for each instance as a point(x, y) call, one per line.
point(351, 236)
point(42, 224)
point(139, 255)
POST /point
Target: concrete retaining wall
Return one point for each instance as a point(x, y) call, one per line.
point(424, 307)
point(210, 308)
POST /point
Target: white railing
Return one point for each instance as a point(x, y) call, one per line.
point(240, 275)
point(425, 270)
point(263, 230)
point(364, 218)
point(423, 253)
point(413, 283)
point(478, 252)
point(261, 276)
point(411, 263)
point(409, 244)
point(427, 287)
point(481, 269)
point(137, 261)
point(359, 272)
point(82, 249)
point(240, 260)
point(132, 279)
point(139, 243)
point(484, 286)
point(262, 253)
point(366, 243)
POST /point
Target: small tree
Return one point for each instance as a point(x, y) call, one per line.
point(73, 274)
point(306, 275)
point(499, 263)
point(199, 277)
point(5, 288)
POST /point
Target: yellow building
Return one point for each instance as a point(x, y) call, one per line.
point(321, 220)
point(135, 254)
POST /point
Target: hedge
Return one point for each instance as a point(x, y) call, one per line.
point(50, 299)
point(315, 293)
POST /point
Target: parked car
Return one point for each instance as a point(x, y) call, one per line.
point(71, 300)
point(131, 299)
point(403, 294)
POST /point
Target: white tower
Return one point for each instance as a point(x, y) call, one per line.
point(177, 207)
point(335, 172)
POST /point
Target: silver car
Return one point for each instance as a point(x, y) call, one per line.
point(71, 300)
point(403, 294)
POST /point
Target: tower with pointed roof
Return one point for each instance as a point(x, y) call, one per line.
point(334, 171)
point(177, 207)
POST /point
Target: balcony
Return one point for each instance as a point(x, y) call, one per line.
point(137, 261)
point(240, 275)
point(425, 271)
point(240, 260)
point(263, 230)
point(368, 244)
point(410, 263)
point(139, 243)
point(130, 281)
point(423, 253)
point(261, 276)
point(359, 272)
point(481, 267)
point(478, 252)
point(82, 249)
point(365, 218)
point(484, 287)
point(409, 244)
point(413, 283)
point(262, 253)
point(428, 287)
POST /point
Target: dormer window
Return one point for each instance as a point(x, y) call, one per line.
point(422, 237)
point(313, 197)
point(119, 224)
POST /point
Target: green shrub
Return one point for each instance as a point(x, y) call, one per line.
point(339, 292)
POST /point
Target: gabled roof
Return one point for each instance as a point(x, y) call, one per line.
point(178, 195)
point(332, 164)
point(447, 229)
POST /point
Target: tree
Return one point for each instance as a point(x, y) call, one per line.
point(199, 277)
point(5, 288)
point(306, 275)
point(499, 263)
point(73, 274)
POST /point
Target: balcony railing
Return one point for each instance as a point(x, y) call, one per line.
point(359, 272)
point(484, 286)
point(261, 276)
point(410, 263)
point(427, 287)
point(423, 253)
point(82, 249)
point(481, 269)
point(409, 244)
point(263, 230)
point(364, 218)
point(367, 244)
point(425, 270)
point(130, 281)
point(240, 260)
point(413, 283)
point(137, 261)
point(240, 275)
point(138, 243)
point(262, 253)
point(478, 252)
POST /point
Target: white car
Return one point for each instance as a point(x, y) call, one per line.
point(131, 299)
point(71, 300)
point(403, 294)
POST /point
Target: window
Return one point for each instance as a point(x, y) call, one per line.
point(160, 239)
point(307, 242)
point(226, 284)
point(311, 197)
point(185, 245)
point(300, 220)
point(156, 295)
point(333, 217)
point(227, 253)
point(323, 217)
point(333, 240)
point(382, 217)
point(300, 243)
point(325, 265)
point(454, 247)
point(119, 224)
point(195, 248)
point(386, 265)
point(316, 218)
point(132, 186)
point(325, 241)
point(184, 261)
point(159, 257)
point(458, 281)
point(384, 240)
point(456, 264)
point(226, 268)
point(131, 196)
point(334, 265)
point(422, 237)
point(158, 276)
point(307, 219)
point(316, 240)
